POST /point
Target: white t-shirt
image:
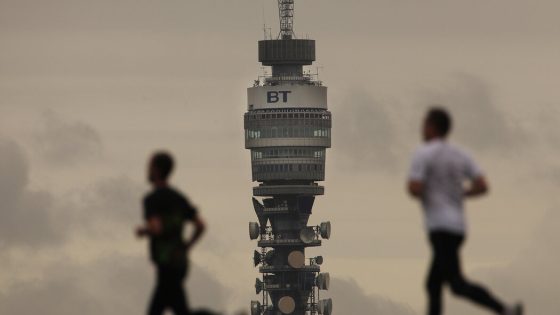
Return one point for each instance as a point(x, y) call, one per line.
point(443, 169)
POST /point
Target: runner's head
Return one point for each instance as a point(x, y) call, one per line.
point(437, 124)
point(160, 167)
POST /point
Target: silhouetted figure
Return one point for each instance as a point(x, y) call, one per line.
point(166, 211)
point(437, 177)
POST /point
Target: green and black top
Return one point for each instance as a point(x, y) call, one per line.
point(174, 210)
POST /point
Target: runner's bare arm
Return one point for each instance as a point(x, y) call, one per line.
point(153, 226)
point(478, 187)
point(199, 228)
point(416, 189)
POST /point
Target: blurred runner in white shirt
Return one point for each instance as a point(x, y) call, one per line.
point(438, 174)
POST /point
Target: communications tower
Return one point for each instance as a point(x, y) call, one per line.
point(288, 129)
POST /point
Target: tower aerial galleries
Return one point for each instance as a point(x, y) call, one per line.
point(288, 129)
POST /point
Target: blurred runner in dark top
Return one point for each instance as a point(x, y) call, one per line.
point(166, 211)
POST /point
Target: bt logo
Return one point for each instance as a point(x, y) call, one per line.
point(275, 96)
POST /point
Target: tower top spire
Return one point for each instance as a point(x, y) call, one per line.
point(286, 10)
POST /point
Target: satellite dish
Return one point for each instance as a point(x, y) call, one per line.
point(259, 286)
point(287, 305)
point(323, 281)
point(259, 210)
point(325, 307)
point(328, 308)
point(325, 230)
point(256, 308)
point(307, 235)
point(254, 230)
point(257, 258)
point(321, 307)
point(296, 259)
point(319, 260)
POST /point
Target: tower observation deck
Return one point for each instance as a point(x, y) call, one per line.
point(287, 130)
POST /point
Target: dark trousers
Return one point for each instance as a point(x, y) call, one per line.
point(169, 292)
point(446, 268)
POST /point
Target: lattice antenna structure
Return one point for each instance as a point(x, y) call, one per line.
point(286, 10)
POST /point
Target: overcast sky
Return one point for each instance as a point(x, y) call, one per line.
point(88, 89)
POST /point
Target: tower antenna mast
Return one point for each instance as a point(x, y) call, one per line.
point(286, 8)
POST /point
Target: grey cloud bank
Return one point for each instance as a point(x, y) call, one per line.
point(27, 217)
point(64, 143)
point(533, 277)
point(351, 299)
point(140, 75)
point(111, 285)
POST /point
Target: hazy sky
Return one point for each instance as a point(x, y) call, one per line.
point(88, 89)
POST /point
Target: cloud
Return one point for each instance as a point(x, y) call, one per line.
point(64, 143)
point(107, 206)
point(532, 277)
point(478, 121)
point(545, 125)
point(349, 298)
point(112, 285)
point(26, 217)
point(376, 134)
point(32, 217)
point(37, 225)
point(37, 218)
point(364, 133)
